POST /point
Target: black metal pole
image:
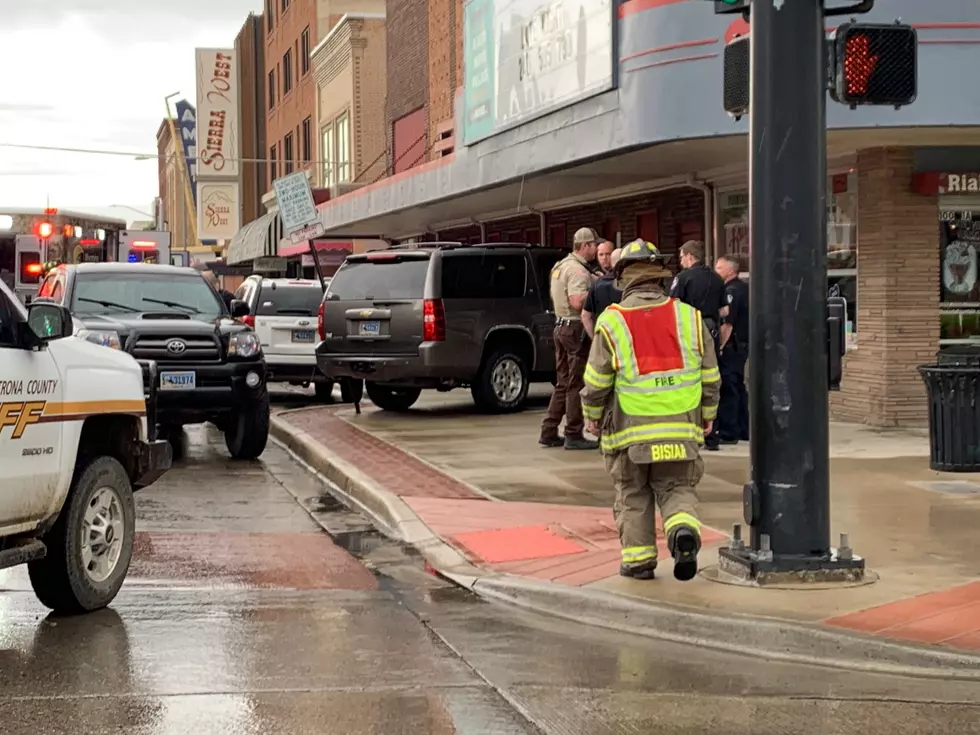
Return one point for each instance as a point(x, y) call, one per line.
point(789, 495)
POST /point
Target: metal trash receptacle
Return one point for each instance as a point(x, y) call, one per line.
point(954, 415)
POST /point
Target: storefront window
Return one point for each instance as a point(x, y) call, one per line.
point(841, 238)
point(959, 232)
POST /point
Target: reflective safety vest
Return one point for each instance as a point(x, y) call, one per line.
point(657, 358)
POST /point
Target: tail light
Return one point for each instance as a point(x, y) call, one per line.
point(433, 321)
point(249, 321)
point(319, 323)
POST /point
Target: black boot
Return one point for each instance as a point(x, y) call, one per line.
point(644, 570)
point(685, 545)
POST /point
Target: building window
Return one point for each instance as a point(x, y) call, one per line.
point(305, 51)
point(287, 72)
point(842, 242)
point(326, 136)
point(959, 238)
point(288, 154)
point(307, 140)
point(272, 89)
point(270, 16)
point(342, 127)
point(273, 164)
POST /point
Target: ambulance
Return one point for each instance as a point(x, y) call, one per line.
point(77, 438)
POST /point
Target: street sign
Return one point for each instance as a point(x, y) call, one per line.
point(295, 198)
point(310, 232)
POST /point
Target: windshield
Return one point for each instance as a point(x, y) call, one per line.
point(380, 279)
point(289, 300)
point(136, 293)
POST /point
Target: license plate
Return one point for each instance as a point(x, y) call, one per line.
point(178, 381)
point(370, 329)
point(302, 336)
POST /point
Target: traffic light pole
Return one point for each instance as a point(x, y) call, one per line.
point(787, 502)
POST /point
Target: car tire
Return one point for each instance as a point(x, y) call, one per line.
point(100, 497)
point(178, 440)
point(502, 383)
point(392, 399)
point(248, 432)
point(324, 391)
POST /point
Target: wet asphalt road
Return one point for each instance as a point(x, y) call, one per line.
point(241, 616)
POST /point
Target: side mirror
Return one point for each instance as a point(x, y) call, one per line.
point(239, 309)
point(48, 321)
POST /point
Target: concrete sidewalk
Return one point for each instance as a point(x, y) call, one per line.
point(433, 477)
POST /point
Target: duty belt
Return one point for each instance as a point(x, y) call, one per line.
point(566, 321)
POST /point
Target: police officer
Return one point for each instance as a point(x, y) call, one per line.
point(570, 281)
point(702, 288)
point(651, 391)
point(602, 293)
point(733, 413)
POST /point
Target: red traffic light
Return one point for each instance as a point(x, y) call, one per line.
point(31, 268)
point(45, 230)
point(875, 64)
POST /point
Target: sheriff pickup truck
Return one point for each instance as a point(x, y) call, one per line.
point(75, 442)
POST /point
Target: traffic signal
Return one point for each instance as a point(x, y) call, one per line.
point(30, 267)
point(736, 86)
point(45, 230)
point(874, 64)
point(730, 7)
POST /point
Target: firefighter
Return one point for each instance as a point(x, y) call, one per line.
point(651, 393)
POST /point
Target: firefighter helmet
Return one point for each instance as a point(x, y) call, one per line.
point(639, 251)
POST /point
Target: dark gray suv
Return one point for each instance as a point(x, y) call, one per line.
point(442, 316)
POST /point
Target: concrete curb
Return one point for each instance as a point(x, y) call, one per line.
point(770, 638)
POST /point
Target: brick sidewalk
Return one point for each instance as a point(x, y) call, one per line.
point(578, 545)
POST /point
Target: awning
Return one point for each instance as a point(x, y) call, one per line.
point(258, 239)
point(304, 247)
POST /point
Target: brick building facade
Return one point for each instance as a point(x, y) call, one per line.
point(349, 67)
point(250, 50)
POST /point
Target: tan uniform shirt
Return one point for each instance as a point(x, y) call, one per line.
point(569, 277)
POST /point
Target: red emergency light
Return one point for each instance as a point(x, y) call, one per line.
point(34, 269)
point(68, 230)
point(143, 245)
point(89, 241)
point(45, 230)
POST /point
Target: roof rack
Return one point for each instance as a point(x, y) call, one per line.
point(421, 245)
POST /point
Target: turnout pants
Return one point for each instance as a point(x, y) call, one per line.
point(571, 354)
point(640, 490)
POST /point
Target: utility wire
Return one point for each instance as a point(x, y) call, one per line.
point(151, 156)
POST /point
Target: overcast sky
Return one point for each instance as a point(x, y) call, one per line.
point(94, 74)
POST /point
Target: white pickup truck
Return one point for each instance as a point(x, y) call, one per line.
point(75, 441)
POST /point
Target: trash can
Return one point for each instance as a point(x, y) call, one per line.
point(954, 415)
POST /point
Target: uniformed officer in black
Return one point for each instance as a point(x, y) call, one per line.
point(602, 293)
point(699, 286)
point(733, 412)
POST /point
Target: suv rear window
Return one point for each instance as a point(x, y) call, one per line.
point(289, 300)
point(488, 276)
point(370, 280)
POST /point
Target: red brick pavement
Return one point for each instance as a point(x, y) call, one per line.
point(950, 617)
point(392, 468)
point(574, 545)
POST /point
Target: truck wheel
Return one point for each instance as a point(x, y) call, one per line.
point(388, 398)
point(324, 391)
point(502, 383)
point(248, 432)
point(90, 546)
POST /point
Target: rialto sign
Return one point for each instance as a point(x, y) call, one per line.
point(959, 183)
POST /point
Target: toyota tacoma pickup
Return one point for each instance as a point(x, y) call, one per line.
point(76, 439)
point(210, 365)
